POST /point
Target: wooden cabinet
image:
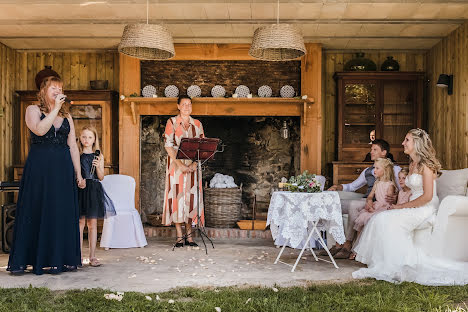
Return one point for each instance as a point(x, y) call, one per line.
point(90, 107)
point(389, 103)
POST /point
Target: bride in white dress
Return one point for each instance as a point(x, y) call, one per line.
point(386, 244)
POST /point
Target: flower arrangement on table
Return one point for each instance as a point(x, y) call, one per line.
point(305, 182)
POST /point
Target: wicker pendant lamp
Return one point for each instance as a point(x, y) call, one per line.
point(147, 41)
point(277, 42)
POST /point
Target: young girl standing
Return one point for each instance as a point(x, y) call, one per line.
point(384, 185)
point(405, 192)
point(93, 201)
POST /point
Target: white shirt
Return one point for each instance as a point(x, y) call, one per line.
point(361, 180)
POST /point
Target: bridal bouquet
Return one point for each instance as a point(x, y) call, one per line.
point(305, 182)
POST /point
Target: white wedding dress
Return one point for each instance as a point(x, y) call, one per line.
point(386, 246)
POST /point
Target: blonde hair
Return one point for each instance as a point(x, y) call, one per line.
point(404, 170)
point(96, 138)
point(389, 174)
point(425, 152)
point(64, 111)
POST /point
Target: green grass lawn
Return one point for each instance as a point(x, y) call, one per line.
point(356, 296)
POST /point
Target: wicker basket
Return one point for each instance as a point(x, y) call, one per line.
point(222, 207)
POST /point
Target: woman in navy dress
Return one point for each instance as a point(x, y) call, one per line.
point(46, 233)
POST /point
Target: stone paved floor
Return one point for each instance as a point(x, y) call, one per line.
point(157, 268)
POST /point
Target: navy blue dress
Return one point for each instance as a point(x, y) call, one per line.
point(46, 231)
point(93, 200)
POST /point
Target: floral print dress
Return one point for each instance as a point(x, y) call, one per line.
point(180, 195)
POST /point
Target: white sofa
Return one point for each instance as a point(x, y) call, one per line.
point(452, 217)
point(452, 190)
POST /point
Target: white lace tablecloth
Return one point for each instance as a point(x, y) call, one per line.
point(290, 216)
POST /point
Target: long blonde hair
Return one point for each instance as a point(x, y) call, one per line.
point(96, 139)
point(425, 152)
point(389, 174)
point(64, 111)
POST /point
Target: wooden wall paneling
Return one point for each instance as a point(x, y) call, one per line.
point(8, 60)
point(75, 68)
point(447, 119)
point(66, 71)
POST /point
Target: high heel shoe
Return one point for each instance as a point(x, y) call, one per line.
point(180, 242)
point(191, 244)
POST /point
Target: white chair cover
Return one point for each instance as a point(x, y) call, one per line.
point(124, 230)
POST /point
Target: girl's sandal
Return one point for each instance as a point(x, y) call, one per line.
point(94, 262)
point(352, 256)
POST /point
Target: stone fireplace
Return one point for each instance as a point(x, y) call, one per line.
point(254, 154)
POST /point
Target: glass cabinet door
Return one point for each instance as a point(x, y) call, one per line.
point(359, 112)
point(87, 115)
point(398, 111)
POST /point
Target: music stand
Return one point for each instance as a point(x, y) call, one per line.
point(198, 149)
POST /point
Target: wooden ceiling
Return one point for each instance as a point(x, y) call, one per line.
point(349, 24)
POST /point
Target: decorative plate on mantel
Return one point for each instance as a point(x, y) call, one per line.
point(218, 91)
point(148, 91)
point(264, 91)
point(242, 91)
point(194, 91)
point(171, 91)
point(287, 91)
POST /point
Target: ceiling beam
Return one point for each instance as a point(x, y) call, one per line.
point(17, 22)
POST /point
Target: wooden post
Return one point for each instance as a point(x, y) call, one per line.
point(129, 132)
point(311, 119)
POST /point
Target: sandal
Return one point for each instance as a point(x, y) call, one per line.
point(192, 243)
point(352, 256)
point(94, 262)
point(333, 251)
point(179, 243)
point(343, 254)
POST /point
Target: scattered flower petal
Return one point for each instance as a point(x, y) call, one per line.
point(157, 298)
point(171, 301)
point(248, 300)
point(149, 298)
point(218, 309)
point(275, 289)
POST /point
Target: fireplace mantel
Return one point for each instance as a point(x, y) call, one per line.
point(310, 111)
point(221, 106)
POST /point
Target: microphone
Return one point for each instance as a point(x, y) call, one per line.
point(93, 167)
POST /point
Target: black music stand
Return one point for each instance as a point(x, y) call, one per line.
point(199, 150)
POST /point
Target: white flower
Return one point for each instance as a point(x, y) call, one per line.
point(155, 95)
point(235, 95)
point(148, 298)
point(171, 301)
point(122, 97)
point(304, 96)
point(113, 297)
point(249, 96)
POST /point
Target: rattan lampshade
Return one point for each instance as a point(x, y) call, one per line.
point(277, 42)
point(147, 42)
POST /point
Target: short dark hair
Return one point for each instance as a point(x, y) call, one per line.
point(183, 96)
point(383, 145)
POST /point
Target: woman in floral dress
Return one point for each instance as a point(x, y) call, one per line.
point(180, 196)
